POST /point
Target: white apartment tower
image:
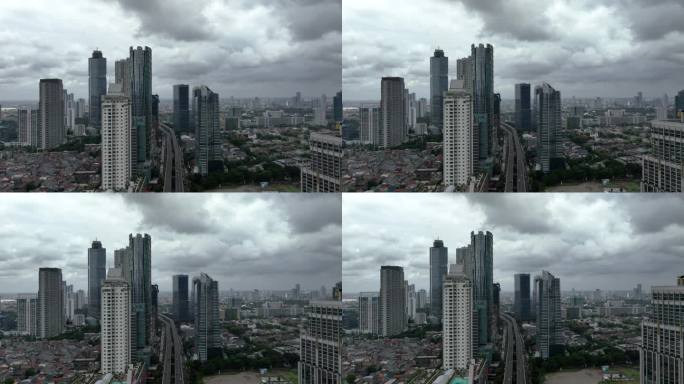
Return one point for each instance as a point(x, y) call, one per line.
point(116, 139)
point(457, 322)
point(369, 310)
point(458, 135)
point(116, 322)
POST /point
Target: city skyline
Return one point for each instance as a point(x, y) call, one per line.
point(297, 47)
point(586, 49)
point(589, 241)
point(213, 233)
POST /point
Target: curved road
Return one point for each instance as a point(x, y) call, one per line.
point(514, 352)
point(515, 165)
point(172, 161)
point(172, 353)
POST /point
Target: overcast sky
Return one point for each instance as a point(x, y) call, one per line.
point(589, 241)
point(244, 241)
point(239, 48)
point(585, 48)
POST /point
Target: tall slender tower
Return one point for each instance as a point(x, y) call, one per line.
point(478, 266)
point(369, 303)
point(207, 331)
point(51, 114)
point(457, 325)
point(547, 114)
point(439, 83)
point(122, 75)
point(320, 344)
point(521, 303)
point(181, 108)
point(483, 91)
point(523, 111)
point(97, 86)
point(116, 140)
point(97, 272)
point(180, 298)
point(140, 70)
point(439, 266)
point(50, 311)
point(548, 313)
point(116, 323)
point(26, 315)
point(460, 153)
point(140, 248)
point(392, 112)
point(205, 109)
point(392, 301)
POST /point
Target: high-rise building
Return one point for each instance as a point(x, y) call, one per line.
point(370, 125)
point(325, 169)
point(26, 315)
point(411, 112)
point(521, 300)
point(679, 105)
point(482, 58)
point(439, 266)
point(411, 300)
point(27, 118)
point(116, 323)
point(139, 255)
point(421, 299)
point(205, 111)
point(207, 329)
point(392, 301)
point(392, 112)
point(97, 272)
point(50, 310)
point(523, 111)
point(439, 83)
point(140, 72)
point(547, 120)
point(180, 298)
point(478, 266)
point(369, 312)
point(460, 151)
point(117, 125)
point(51, 114)
point(97, 87)
point(457, 324)
point(320, 344)
point(181, 108)
point(663, 167)
point(662, 336)
point(337, 107)
point(122, 76)
point(548, 311)
point(466, 72)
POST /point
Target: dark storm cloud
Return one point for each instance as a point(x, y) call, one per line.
point(240, 48)
point(244, 241)
point(584, 48)
point(589, 241)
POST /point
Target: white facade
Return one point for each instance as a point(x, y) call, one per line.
point(370, 124)
point(458, 136)
point(116, 140)
point(116, 323)
point(369, 311)
point(457, 322)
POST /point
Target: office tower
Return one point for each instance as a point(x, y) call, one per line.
point(140, 72)
point(325, 169)
point(457, 324)
point(458, 133)
point(50, 310)
point(523, 111)
point(439, 266)
point(496, 309)
point(663, 167)
point(320, 344)
point(521, 300)
point(461, 254)
point(117, 123)
point(411, 301)
point(123, 261)
point(207, 329)
point(370, 125)
point(421, 299)
point(69, 112)
point(679, 105)
point(138, 258)
point(547, 120)
point(411, 111)
point(181, 108)
point(662, 336)
point(478, 266)
point(51, 114)
point(392, 318)
point(205, 110)
point(466, 72)
point(26, 315)
point(154, 304)
point(369, 312)
point(483, 95)
point(97, 87)
point(122, 75)
point(27, 119)
point(180, 298)
point(97, 270)
point(548, 313)
point(116, 323)
point(439, 82)
point(392, 111)
point(337, 291)
point(337, 107)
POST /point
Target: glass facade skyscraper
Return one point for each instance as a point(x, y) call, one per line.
point(140, 69)
point(483, 95)
point(523, 111)
point(439, 83)
point(97, 273)
point(205, 111)
point(97, 87)
point(548, 122)
point(439, 266)
point(181, 108)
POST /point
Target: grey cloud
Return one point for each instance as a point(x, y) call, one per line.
point(521, 19)
point(165, 213)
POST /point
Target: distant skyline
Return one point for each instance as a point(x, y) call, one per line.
point(589, 241)
point(238, 48)
point(244, 241)
point(584, 48)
